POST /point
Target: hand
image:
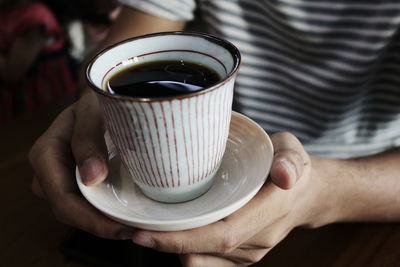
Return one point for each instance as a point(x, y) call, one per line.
point(245, 236)
point(75, 137)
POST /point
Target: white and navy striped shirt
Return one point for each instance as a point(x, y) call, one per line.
point(324, 70)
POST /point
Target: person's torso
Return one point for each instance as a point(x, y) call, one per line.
point(327, 71)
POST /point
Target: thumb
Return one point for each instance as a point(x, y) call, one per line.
point(88, 145)
point(289, 160)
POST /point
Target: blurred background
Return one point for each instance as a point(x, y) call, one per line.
point(42, 45)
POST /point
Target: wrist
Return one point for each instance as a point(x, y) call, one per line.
point(323, 202)
point(362, 189)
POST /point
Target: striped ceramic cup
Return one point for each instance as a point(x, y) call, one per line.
point(171, 146)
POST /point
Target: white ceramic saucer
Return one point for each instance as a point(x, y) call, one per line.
point(245, 166)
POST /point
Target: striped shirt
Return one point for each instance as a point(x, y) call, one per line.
point(326, 71)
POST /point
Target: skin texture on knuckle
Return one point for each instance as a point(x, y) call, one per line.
point(284, 135)
point(271, 241)
point(287, 137)
point(279, 236)
point(290, 154)
point(229, 242)
point(257, 255)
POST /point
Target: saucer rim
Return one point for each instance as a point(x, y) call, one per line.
point(188, 223)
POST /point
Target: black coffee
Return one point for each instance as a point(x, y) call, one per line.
point(162, 79)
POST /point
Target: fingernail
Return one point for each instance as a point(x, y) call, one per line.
point(91, 170)
point(291, 169)
point(126, 234)
point(143, 240)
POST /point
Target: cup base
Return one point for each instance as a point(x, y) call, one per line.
point(181, 194)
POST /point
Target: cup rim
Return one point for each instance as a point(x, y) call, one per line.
point(217, 40)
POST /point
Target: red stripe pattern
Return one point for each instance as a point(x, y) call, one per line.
point(170, 143)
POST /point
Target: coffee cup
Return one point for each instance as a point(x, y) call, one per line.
point(170, 132)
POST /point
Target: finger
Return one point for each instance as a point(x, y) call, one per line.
point(88, 145)
point(254, 249)
point(222, 236)
point(270, 236)
point(52, 161)
point(37, 189)
point(201, 260)
point(73, 210)
point(289, 160)
point(244, 257)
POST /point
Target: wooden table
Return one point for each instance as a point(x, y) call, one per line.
point(31, 236)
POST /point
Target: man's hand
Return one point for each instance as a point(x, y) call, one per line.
point(320, 191)
point(71, 140)
point(244, 237)
point(76, 138)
